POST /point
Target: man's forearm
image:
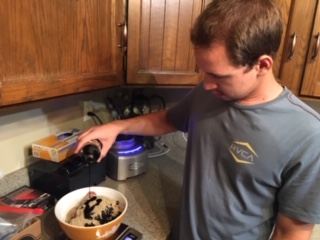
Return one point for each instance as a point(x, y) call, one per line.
point(289, 236)
point(152, 124)
point(290, 229)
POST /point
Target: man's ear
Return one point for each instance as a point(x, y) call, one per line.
point(265, 63)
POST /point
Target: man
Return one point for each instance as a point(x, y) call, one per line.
point(253, 158)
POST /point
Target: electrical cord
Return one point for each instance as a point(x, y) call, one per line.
point(159, 150)
point(113, 106)
point(94, 117)
point(184, 136)
point(176, 139)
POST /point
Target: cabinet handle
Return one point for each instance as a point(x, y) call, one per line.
point(123, 36)
point(316, 48)
point(293, 45)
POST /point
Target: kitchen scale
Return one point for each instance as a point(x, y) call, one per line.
point(124, 232)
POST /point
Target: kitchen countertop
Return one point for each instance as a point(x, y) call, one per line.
point(153, 197)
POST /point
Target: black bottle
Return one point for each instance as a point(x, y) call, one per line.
point(91, 151)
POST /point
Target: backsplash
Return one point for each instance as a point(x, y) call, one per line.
point(21, 125)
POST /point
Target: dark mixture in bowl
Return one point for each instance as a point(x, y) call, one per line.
point(94, 210)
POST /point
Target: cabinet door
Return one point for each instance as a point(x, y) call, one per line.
point(311, 77)
point(51, 48)
point(297, 44)
point(159, 49)
point(286, 6)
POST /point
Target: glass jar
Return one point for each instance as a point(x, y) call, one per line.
point(91, 151)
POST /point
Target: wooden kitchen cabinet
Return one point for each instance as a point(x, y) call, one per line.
point(54, 48)
point(159, 49)
point(311, 78)
point(286, 6)
point(300, 69)
point(51, 48)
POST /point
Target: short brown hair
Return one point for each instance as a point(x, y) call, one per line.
point(249, 28)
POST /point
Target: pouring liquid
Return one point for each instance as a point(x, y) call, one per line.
point(89, 179)
point(91, 153)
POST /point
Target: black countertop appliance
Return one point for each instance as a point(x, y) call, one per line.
point(60, 178)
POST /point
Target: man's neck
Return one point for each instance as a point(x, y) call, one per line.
point(268, 90)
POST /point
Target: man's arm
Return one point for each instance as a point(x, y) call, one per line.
point(152, 124)
point(290, 229)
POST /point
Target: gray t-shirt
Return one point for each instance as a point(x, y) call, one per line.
point(244, 164)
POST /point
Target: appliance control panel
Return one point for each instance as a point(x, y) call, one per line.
point(129, 234)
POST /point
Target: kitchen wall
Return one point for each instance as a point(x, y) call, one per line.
point(23, 124)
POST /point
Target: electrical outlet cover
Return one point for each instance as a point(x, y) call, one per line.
point(87, 107)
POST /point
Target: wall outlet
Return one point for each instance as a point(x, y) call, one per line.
point(87, 107)
point(99, 109)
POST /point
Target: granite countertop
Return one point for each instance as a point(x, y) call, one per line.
point(153, 197)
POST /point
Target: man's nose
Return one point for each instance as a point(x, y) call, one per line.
point(209, 83)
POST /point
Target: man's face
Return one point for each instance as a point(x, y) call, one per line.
point(223, 79)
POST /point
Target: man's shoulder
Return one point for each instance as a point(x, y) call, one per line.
point(302, 107)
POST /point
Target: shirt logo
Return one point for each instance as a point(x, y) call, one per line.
point(242, 152)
